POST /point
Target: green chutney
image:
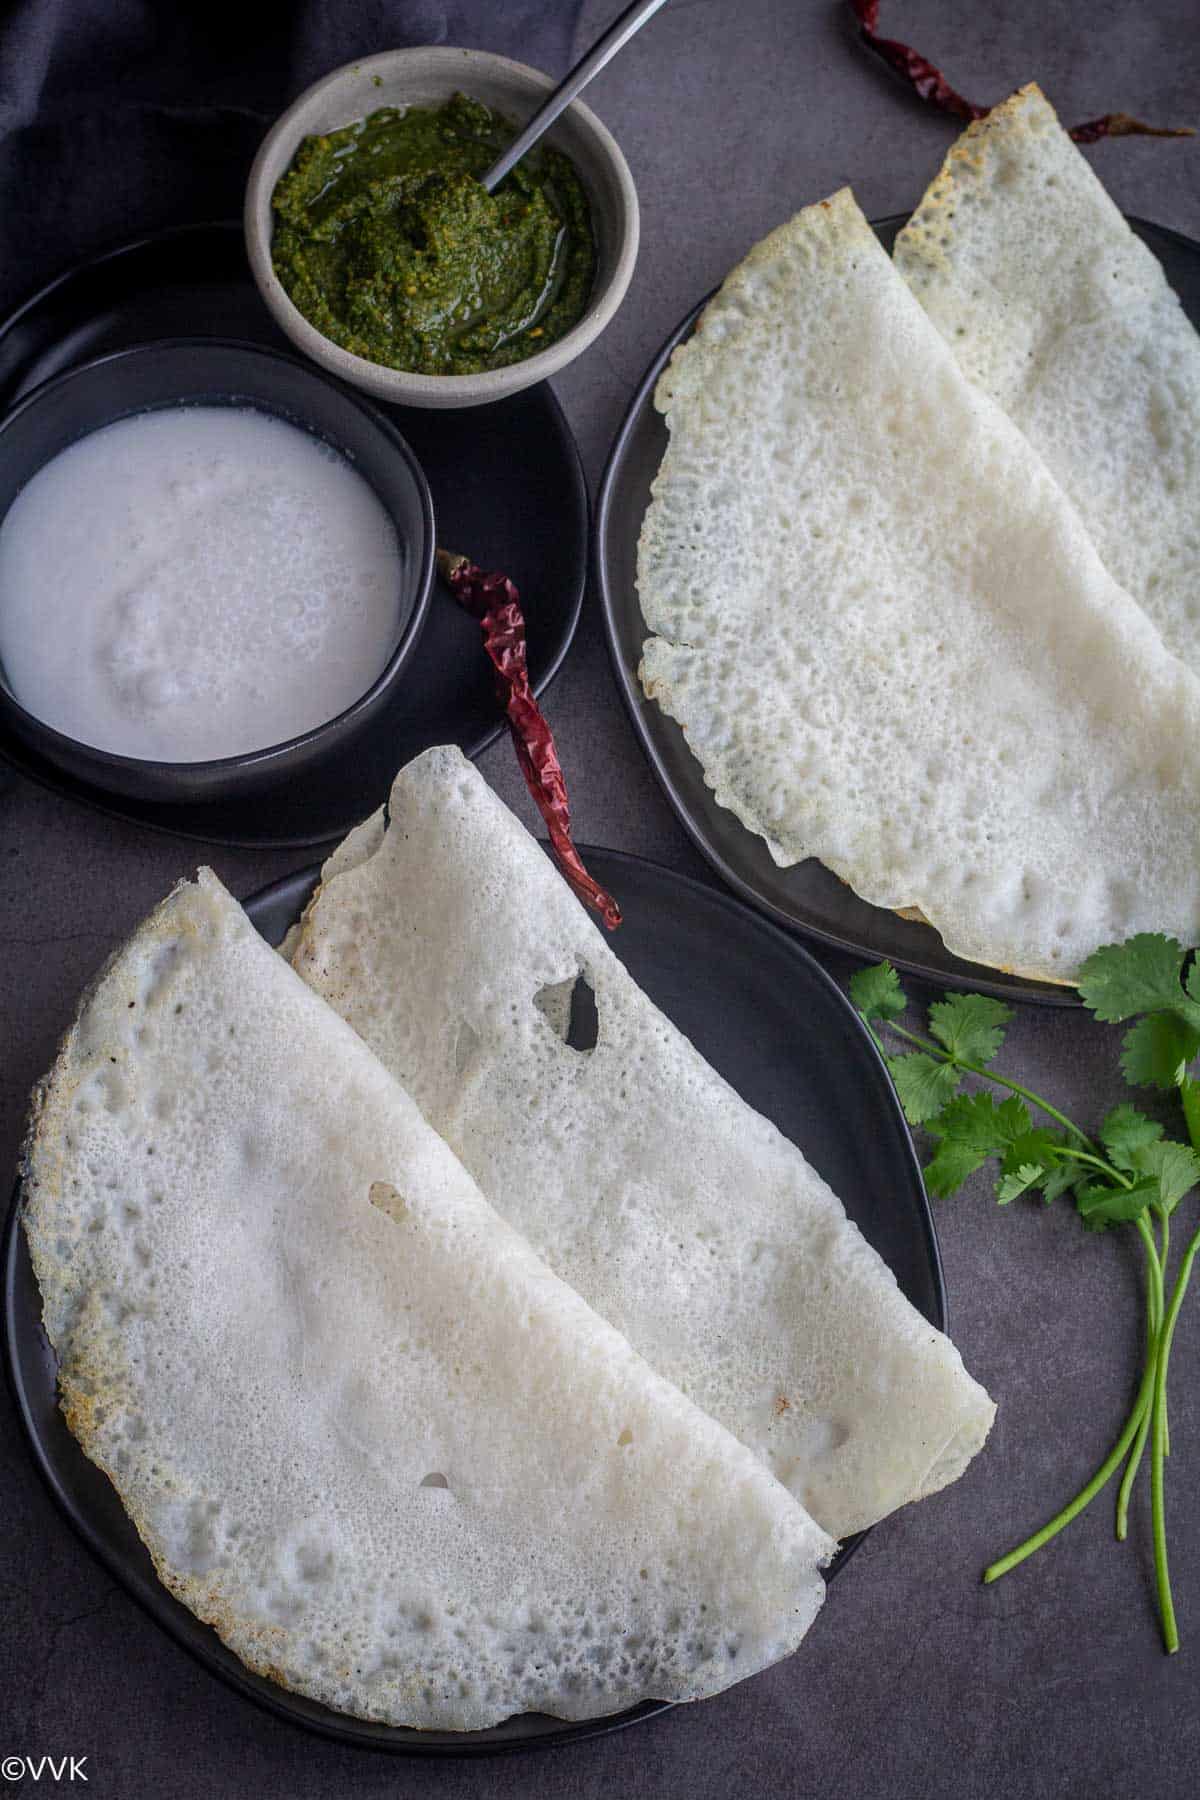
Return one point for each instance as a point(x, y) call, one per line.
point(386, 240)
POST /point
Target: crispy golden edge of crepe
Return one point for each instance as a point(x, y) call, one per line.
point(84, 1385)
point(1008, 120)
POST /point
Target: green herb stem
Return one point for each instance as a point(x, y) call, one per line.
point(1014, 1087)
point(1085, 1156)
point(1154, 1300)
point(1087, 1494)
point(1135, 1458)
point(921, 1043)
point(1164, 1251)
point(1158, 1512)
point(1151, 1249)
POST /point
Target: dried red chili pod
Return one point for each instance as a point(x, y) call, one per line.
point(922, 75)
point(494, 600)
point(927, 80)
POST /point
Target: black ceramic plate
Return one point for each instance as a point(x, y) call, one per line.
point(774, 1024)
point(807, 896)
point(508, 491)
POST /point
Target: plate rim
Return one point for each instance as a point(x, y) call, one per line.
point(1014, 988)
point(80, 793)
point(179, 1624)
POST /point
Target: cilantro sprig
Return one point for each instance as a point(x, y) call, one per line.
point(1129, 1173)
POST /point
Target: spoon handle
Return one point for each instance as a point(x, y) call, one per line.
point(601, 52)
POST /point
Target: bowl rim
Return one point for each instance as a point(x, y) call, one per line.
point(410, 385)
point(405, 644)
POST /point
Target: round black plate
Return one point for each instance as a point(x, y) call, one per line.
point(508, 490)
point(807, 896)
point(769, 1019)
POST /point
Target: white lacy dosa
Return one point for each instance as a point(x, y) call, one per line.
point(685, 1218)
point(362, 1428)
point(1053, 305)
point(887, 633)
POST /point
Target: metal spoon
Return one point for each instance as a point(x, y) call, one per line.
point(601, 53)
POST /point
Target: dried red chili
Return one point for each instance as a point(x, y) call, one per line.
point(494, 600)
point(927, 80)
point(922, 75)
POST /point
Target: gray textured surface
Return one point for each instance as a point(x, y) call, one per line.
point(916, 1680)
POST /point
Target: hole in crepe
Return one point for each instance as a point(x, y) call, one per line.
point(569, 1008)
point(583, 1031)
point(434, 1480)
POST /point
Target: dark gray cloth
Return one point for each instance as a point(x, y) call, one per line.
point(120, 116)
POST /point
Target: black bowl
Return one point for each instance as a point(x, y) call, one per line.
point(218, 371)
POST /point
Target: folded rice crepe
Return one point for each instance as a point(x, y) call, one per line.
point(363, 1430)
point(1051, 303)
point(887, 633)
point(686, 1219)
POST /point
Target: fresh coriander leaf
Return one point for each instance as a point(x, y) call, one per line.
point(1189, 1100)
point(1102, 1205)
point(1157, 1051)
point(1036, 1146)
point(976, 1120)
point(1019, 1181)
point(1192, 981)
point(1142, 975)
point(1034, 1160)
point(1126, 1131)
point(877, 993)
point(924, 1086)
point(950, 1165)
point(971, 1128)
point(1058, 1180)
point(1175, 1168)
point(969, 1025)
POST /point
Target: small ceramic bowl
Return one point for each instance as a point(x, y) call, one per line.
point(217, 371)
point(428, 78)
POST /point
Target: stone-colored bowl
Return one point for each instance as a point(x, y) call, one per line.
point(427, 78)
